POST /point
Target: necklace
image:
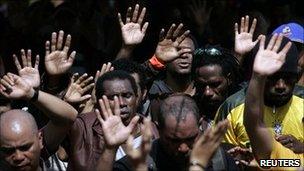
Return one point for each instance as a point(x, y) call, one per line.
point(277, 124)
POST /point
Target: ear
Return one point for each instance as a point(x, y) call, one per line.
point(40, 139)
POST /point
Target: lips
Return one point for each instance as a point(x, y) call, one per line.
point(124, 114)
point(184, 64)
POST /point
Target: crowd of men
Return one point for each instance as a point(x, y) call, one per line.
point(184, 108)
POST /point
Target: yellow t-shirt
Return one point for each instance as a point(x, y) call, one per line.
point(290, 116)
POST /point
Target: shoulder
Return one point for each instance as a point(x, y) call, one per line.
point(231, 103)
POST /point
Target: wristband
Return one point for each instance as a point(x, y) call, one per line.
point(196, 163)
point(35, 97)
point(156, 63)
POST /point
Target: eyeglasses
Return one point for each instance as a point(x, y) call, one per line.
point(209, 51)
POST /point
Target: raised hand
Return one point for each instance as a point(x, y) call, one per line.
point(115, 132)
point(77, 88)
point(14, 87)
point(89, 105)
point(200, 13)
point(138, 157)
point(57, 61)
point(132, 31)
point(243, 40)
point(168, 46)
point(27, 72)
point(268, 61)
point(207, 144)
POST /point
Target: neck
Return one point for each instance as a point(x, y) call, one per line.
point(179, 83)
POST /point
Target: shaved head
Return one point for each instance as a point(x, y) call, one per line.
point(20, 141)
point(16, 122)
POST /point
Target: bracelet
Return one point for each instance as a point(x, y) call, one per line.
point(196, 163)
point(156, 63)
point(35, 97)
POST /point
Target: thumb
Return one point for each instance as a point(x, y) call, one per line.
point(133, 122)
point(85, 97)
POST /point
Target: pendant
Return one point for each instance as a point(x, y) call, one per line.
point(277, 126)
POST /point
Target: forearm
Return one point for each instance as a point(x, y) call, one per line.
point(106, 160)
point(125, 52)
point(259, 135)
point(58, 111)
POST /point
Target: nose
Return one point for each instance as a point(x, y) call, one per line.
point(208, 92)
point(183, 148)
point(122, 101)
point(280, 86)
point(18, 157)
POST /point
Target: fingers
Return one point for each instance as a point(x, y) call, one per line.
point(67, 44)
point(86, 82)
point(178, 30)
point(144, 28)
point(17, 62)
point(242, 25)
point(72, 57)
point(142, 16)
point(236, 29)
point(133, 122)
point(53, 41)
point(74, 78)
point(29, 58)
point(81, 78)
point(170, 32)
point(272, 41)
point(120, 20)
point(98, 115)
point(116, 106)
point(23, 58)
point(108, 67)
point(85, 97)
point(135, 13)
point(37, 62)
point(253, 25)
point(60, 40)
point(258, 39)
point(183, 37)
point(128, 16)
point(162, 35)
point(183, 51)
point(107, 105)
point(277, 43)
point(285, 50)
point(262, 43)
point(104, 111)
point(246, 23)
point(87, 88)
point(47, 48)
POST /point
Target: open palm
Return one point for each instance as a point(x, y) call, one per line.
point(132, 34)
point(268, 61)
point(31, 76)
point(15, 86)
point(57, 60)
point(115, 132)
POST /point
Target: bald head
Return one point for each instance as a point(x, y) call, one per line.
point(17, 122)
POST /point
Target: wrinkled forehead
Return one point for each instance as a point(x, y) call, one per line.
point(117, 86)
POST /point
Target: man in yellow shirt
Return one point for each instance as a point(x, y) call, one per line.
point(268, 63)
point(283, 109)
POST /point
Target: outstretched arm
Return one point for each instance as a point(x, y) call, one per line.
point(60, 113)
point(267, 61)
